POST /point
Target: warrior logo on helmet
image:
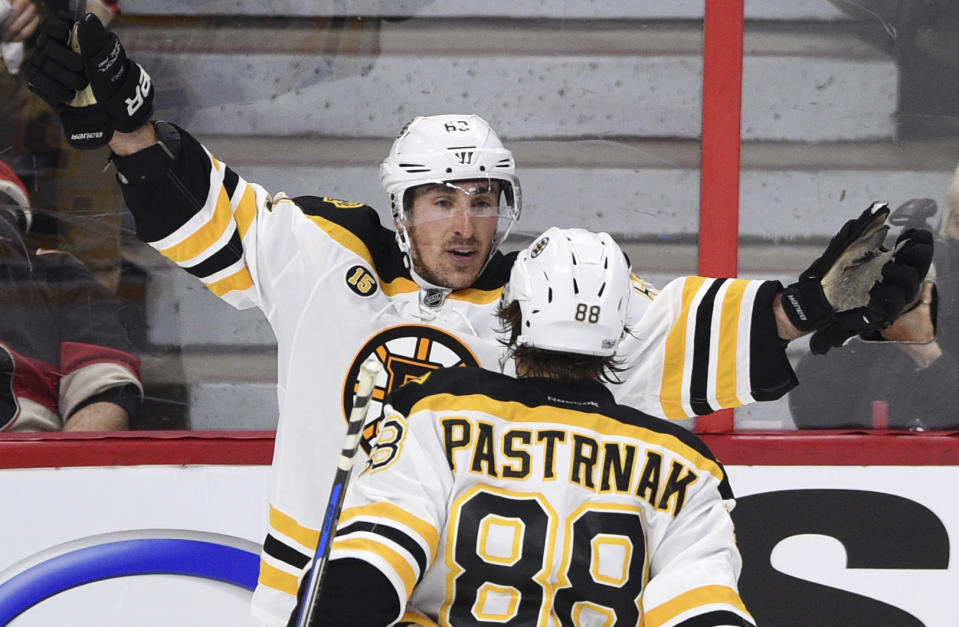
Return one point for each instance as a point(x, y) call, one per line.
point(407, 352)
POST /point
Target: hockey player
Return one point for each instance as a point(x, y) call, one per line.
point(337, 286)
point(537, 500)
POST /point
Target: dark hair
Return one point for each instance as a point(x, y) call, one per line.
point(537, 362)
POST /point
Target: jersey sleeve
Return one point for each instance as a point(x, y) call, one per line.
point(393, 520)
point(197, 212)
point(703, 344)
point(695, 563)
point(249, 247)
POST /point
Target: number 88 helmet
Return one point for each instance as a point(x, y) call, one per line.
point(573, 288)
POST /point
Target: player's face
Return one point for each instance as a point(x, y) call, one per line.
point(451, 229)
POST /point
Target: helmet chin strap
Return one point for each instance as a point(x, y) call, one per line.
point(432, 297)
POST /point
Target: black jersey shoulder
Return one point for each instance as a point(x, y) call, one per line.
point(363, 222)
point(496, 273)
point(454, 381)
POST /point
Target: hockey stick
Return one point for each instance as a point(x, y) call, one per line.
point(361, 403)
point(77, 9)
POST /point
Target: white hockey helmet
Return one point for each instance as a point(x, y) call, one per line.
point(440, 149)
point(573, 289)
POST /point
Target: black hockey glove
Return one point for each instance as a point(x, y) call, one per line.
point(902, 278)
point(85, 76)
point(857, 286)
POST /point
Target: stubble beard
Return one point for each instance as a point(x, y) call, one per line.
point(455, 278)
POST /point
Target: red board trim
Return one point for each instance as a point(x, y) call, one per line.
point(136, 448)
point(244, 448)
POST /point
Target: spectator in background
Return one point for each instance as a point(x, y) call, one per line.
point(947, 263)
point(31, 141)
point(65, 360)
point(907, 378)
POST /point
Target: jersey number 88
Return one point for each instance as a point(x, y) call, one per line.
point(505, 570)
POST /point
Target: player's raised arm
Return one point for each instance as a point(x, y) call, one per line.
point(189, 206)
point(679, 357)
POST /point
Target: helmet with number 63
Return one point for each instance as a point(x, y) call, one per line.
point(573, 288)
point(440, 149)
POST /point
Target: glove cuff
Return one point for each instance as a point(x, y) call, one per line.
point(86, 128)
point(150, 164)
point(805, 305)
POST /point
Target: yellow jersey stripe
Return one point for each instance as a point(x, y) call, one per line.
point(245, 211)
point(697, 597)
point(236, 282)
point(396, 561)
point(572, 418)
point(671, 391)
point(726, 368)
point(207, 235)
point(292, 529)
point(346, 239)
point(422, 348)
point(275, 578)
point(477, 297)
point(387, 510)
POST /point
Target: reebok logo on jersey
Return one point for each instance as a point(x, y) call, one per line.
point(569, 402)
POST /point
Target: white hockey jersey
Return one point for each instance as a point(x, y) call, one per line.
point(489, 500)
point(330, 279)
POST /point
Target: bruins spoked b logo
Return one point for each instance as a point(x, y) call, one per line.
point(406, 352)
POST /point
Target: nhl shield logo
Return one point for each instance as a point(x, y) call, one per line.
point(434, 298)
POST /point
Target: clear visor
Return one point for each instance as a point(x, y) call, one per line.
point(491, 199)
